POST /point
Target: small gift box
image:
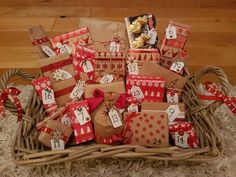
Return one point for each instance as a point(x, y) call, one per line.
point(84, 63)
point(67, 43)
point(81, 120)
point(145, 88)
point(172, 79)
point(184, 135)
point(54, 134)
point(45, 92)
point(109, 67)
point(108, 36)
point(147, 129)
point(41, 42)
point(141, 31)
point(175, 112)
point(61, 72)
point(108, 121)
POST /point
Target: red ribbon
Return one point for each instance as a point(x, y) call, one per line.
point(13, 92)
point(50, 131)
point(39, 41)
point(218, 95)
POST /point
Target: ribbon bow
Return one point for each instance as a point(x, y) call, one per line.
point(218, 95)
point(13, 92)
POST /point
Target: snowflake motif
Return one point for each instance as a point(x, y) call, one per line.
point(132, 82)
point(138, 83)
point(98, 66)
point(43, 85)
point(144, 83)
point(37, 87)
point(113, 66)
point(156, 84)
point(105, 66)
point(149, 84)
point(119, 66)
point(162, 85)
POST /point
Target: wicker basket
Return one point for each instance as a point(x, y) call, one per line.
point(27, 151)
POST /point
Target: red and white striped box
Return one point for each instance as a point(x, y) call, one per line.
point(145, 88)
point(81, 121)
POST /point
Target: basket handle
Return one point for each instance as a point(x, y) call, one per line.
point(5, 78)
point(223, 80)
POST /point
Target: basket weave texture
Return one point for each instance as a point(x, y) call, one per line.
point(28, 151)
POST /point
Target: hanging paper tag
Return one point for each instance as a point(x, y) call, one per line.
point(137, 92)
point(171, 32)
point(78, 90)
point(115, 118)
point(64, 48)
point(153, 35)
point(82, 115)
point(172, 97)
point(87, 66)
point(107, 79)
point(133, 108)
point(181, 139)
point(114, 47)
point(177, 66)
point(172, 111)
point(133, 68)
point(57, 144)
point(61, 74)
point(66, 120)
point(48, 96)
point(48, 51)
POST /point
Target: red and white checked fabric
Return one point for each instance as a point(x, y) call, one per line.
point(8, 93)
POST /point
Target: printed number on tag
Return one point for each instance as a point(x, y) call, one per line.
point(137, 92)
point(48, 96)
point(66, 120)
point(106, 79)
point(171, 32)
point(87, 66)
point(82, 116)
point(172, 111)
point(57, 144)
point(153, 35)
point(48, 51)
point(133, 108)
point(177, 66)
point(114, 47)
point(172, 97)
point(133, 68)
point(78, 91)
point(181, 139)
point(61, 74)
point(115, 118)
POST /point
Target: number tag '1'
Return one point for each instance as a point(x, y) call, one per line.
point(177, 66)
point(115, 118)
point(87, 66)
point(133, 108)
point(172, 111)
point(114, 47)
point(181, 139)
point(57, 144)
point(48, 96)
point(107, 79)
point(137, 92)
point(133, 68)
point(82, 116)
point(171, 32)
point(48, 51)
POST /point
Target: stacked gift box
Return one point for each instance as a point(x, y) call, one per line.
point(118, 88)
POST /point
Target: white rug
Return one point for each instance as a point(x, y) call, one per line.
point(225, 167)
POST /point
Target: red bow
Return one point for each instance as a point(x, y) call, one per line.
point(218, 95)
point(13, 92)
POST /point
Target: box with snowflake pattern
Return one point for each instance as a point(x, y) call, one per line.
point(145, 88)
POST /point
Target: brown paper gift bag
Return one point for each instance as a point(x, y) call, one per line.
point(104, 32)
point(62, 88)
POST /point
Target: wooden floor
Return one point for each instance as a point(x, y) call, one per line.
point(212, 40)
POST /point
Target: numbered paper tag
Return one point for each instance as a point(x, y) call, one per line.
point(133, 108)
point(107, 79)
point(82, 116)
point(133, 68)
point(181, 139)
point(171, 32)
point(64, 48)
point(87, 66)
point(78, 90)
point(61, 74)
point(172, 111)
point(114, 47)
point(48, 96)
point(57, 144)
point(66, 120)
point(48, 51)
point(153, 35)
point(137, 92)
point(172, 97)
point(115, 118)
point(177, 66)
